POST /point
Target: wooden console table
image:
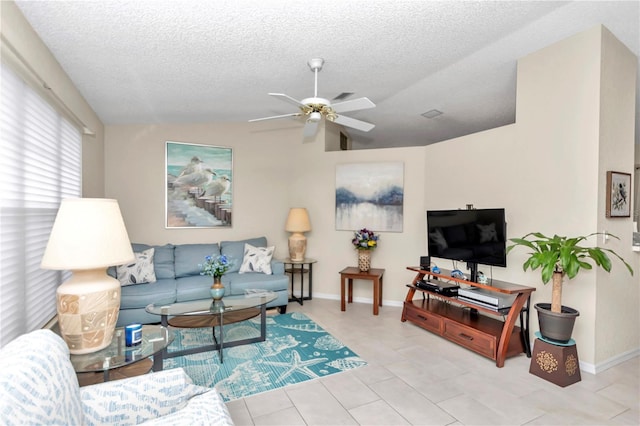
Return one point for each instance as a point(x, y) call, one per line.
point(350, 273)
point(464, 322)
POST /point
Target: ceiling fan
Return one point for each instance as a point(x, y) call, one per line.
point(315, 108)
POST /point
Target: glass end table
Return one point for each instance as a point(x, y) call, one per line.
point(119, 360)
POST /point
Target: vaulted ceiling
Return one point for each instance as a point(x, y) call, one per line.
point(208, 61)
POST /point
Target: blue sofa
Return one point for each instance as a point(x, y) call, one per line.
point(178, 279)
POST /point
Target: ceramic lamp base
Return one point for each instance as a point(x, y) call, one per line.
point(88, 305)
point(297, 246)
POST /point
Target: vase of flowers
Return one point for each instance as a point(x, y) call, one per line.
point(365, 242)
point(216, 266)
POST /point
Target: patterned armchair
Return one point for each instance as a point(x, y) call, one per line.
point(39, 386)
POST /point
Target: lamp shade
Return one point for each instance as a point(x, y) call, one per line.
point(298, 220)
point(88, 233)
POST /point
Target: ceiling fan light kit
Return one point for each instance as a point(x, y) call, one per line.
point(314, 108)
point(315, 117)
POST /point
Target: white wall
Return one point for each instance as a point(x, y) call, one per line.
point(273, 171)
point(548, 171)
point(136, 173)
point(545, 170)
point(617, 122)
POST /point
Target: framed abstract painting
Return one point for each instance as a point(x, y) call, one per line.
point(199, 186)
point(370, 195)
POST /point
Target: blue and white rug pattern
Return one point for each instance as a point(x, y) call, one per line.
point(296, 350)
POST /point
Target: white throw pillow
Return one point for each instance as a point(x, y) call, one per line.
point(139, 271)
point(257, 259)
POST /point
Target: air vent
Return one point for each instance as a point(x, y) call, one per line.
point(342, 96)
point(431, 113)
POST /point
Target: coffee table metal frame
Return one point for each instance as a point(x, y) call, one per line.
point(209, 307)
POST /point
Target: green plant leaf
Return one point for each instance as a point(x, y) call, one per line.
point(600, 258)
point(547, 272)
point(563, 254)
point(621, 259)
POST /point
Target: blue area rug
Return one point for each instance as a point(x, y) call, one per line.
point(296, 350)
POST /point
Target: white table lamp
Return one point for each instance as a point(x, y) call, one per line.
point(297, 223)
point(88, 235)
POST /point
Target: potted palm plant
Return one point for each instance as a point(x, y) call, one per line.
point(556, 257)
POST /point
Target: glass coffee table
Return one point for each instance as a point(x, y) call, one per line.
point(214, 314)
point(118, 360)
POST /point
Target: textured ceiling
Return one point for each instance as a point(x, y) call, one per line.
point(207, 61)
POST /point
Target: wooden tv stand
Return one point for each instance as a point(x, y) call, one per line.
point(463, 322)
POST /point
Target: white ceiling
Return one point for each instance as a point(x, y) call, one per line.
point(207, 61)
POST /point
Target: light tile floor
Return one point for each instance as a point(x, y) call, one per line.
point(417, 378)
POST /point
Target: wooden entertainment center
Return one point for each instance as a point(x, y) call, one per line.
point(464, 322)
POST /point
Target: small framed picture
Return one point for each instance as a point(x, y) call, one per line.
point(618, 194)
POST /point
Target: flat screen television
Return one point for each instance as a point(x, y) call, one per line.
point(476, 236)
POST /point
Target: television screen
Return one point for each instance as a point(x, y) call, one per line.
point(474, 236)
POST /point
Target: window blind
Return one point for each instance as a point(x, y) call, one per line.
point(40, 164)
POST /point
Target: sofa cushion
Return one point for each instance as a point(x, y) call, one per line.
point(139, 271)
point(189, 257)
point(257, 259)
point(238, 283)
point(196, 287)
point(140, 295)
point(39, 385)
point(234, 250)
point(162, 259)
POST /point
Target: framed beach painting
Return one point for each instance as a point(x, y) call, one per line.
point(618, 194)
point(199, 186)
point(370, 195)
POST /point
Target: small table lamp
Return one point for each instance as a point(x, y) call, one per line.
point(88, 235)
point(297, 223)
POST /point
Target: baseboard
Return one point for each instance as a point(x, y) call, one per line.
point(611, 362)
point(368, 300)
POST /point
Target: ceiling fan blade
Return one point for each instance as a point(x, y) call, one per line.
point(295, 114)
point(353, 105)
point(288, 99)
point(353, 123)
point(310, 129)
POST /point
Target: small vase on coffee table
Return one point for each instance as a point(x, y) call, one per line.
point(217, 289)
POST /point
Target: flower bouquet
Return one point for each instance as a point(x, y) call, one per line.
point(215, 266)
point(365, 239)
